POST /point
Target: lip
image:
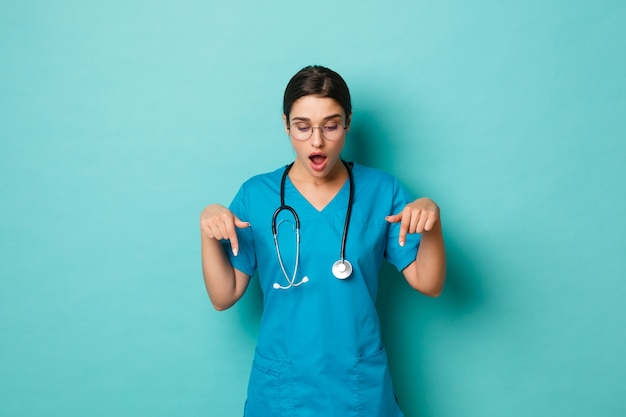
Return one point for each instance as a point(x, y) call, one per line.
point(318, 166)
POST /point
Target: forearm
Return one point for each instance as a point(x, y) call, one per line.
point(428, 273)
point(224, 284)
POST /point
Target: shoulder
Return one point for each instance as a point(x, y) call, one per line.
point(378, 186)
point(372, 175)
point(257, 190)
point(264, 181)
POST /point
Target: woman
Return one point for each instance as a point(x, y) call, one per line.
point(319, 351)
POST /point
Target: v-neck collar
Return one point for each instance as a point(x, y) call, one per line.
point(339, 199)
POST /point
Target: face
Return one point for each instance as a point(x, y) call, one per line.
point(317, 156)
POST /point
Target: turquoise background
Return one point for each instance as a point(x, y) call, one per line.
point(120, 121)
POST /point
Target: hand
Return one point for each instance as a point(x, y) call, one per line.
point(217, 222)
point(417, 217)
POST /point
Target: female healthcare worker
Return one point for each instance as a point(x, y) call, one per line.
point(316, 231)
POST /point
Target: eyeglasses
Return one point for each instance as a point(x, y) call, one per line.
point(304, 131)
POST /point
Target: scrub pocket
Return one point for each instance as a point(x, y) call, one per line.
point(270, 389)
point(375, 389)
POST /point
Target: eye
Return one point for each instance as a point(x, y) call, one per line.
point(302, 127)
point(331, 127)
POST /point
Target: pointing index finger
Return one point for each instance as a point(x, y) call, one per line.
point(232, 237)
point(232, 231)
point(404, 228)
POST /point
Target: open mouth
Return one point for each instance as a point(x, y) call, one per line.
point(318, 161)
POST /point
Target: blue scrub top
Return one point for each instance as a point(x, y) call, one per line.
point(319, 350)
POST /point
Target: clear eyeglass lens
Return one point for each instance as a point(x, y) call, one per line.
point(303, 131)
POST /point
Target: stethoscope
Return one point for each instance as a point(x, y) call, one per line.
point(341, 269)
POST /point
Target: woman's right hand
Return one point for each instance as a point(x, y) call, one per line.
point(217, 222)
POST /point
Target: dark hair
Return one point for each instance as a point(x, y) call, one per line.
point(317, 81)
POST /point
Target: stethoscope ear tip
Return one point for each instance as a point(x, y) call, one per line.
point(277, 286)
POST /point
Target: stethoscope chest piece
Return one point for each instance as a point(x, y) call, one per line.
point(342, 269)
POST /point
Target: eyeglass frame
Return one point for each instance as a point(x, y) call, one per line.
point(321, 128)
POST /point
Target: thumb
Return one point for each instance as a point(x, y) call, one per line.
point(394, 218)
point(240, 224)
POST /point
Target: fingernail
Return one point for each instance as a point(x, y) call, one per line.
point(235, 251)
point(402, 243)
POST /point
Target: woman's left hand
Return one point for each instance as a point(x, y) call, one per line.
point(417, 217)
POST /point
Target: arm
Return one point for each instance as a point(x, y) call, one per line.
point(225, 284)
point(427, 273)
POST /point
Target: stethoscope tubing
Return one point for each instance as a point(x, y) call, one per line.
point(348, 211)
point(342, 268)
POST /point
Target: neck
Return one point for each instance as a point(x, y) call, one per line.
point(319, 191)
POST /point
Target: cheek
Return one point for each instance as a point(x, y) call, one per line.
point(297, 147)
point(338, 146)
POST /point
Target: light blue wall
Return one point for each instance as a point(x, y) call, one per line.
point(120, 120)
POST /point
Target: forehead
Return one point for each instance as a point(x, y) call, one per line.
point(315, 108)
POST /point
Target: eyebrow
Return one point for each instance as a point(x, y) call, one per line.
point(306, 119)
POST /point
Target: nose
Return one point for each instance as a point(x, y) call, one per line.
point(317, 139)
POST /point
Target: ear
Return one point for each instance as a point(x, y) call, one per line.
point(285, 124)
point(348, 122)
